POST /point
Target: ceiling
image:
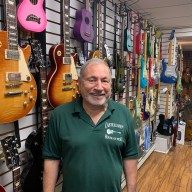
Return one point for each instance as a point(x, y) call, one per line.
point(167, 14)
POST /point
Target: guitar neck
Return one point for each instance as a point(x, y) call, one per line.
point(66, 21)
point(138, 79)
point(12, 52)
point(44, 102)
point(100, 45)
point(16, 180)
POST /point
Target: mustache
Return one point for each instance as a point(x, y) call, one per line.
point(97, 93)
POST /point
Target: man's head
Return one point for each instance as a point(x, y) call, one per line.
point(95, 82)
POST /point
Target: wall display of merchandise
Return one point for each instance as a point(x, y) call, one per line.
point(42, 50)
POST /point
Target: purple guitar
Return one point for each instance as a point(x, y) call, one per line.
point(31, 15)
point(83, 30)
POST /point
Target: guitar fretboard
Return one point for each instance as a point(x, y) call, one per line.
point(100, 31)
point(66, 20)
point(44, 103)
point(12, 52)
point(16, 180)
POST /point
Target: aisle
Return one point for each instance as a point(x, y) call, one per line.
point(170, 172)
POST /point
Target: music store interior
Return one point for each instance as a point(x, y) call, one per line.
point(148, 48)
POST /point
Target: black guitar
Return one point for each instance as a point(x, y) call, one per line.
point(31, 176)
point(12, 159)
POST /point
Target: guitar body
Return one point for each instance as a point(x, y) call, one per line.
point(168, 74)
point(18, 87)
point(31, 16)
point(127, 40)
point(165, 126)
point(151, 73)
point(137, 114)
point(31, 177)
point(2, 189)
point(120, 76)
point(62, 79)
point(143, 77)
point(138, 44)
point(145, 114)
point(83, 29)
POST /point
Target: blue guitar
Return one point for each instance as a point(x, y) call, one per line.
point(143, 74)
point(168, 74)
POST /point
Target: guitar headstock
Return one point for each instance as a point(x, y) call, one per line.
point(9, 146)
point(37, 54)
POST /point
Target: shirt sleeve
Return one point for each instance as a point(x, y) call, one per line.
point(131, 149)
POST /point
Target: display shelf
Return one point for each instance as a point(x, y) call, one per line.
point(144, 157)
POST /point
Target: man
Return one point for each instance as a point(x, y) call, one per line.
point(93, 136)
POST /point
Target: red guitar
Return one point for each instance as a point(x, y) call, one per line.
point(62, 79)
point(139, 39)
point(31, 16)
point(151, 73)
point(2, 189)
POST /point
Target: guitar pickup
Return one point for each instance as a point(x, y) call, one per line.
point(13, 76)
point(13, 85)
point(67, 77)
point(67, 83)
point(12, 54)
point(67, 88)
point(13, 93)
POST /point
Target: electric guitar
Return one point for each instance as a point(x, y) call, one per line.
point(12, 160)
point(62, 79)
point(145, 114)
point(137, 101)
point(169, 74)
point(83, 29)
point(151, 73)
point(165, 126)
point(31, 15)
point(127, 32)
point(2, 189)
point(18, 87)
point(98, 53)
point(144, 61)
point(139, 39)
point(31, 177)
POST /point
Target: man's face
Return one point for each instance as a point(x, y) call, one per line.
point(95, 86)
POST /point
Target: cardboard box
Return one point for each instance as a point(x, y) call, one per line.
point(181, 133)
point(163, 143)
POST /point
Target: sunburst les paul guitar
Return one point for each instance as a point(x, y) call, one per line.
point(18, 87)
point(62, 79)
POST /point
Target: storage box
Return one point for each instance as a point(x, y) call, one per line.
point(163, 143)
point(181, 133)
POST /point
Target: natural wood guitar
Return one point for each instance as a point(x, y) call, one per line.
point(62, 79)
point(18, 87)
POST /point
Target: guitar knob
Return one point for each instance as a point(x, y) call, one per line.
point(26, 92)
point(31, 98)
point(25, 104)
point(32, 87)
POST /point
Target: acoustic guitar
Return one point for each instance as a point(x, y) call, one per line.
point(12, 160)
point(62, 79)
point(31, 15)
point(83, 29)
point(18, 87)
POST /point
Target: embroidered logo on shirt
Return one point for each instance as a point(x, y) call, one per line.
point(112, 134)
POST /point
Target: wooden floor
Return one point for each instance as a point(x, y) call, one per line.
point(171, 172)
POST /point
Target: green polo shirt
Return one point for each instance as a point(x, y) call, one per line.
point(91, 154)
